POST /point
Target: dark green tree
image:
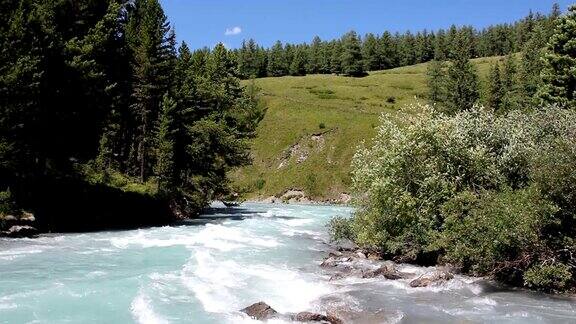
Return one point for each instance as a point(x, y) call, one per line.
point(436, 82)
point(152, 44)
point(559, 77)
point(371, 53)
point(164, 168)
point(461, 79)
point(351, 57)
point(277, 65)
point(495, 90)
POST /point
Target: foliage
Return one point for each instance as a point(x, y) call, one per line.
point(559, 86)
point(296, 109)
point(96, 92)
point(385, 51)
point(491, 193)
point(6, 203)
point(549, 277)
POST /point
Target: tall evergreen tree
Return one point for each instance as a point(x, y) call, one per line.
point(351, 57)
point(495, 90)
point(436, 82)
point(336, 57)
point(462, 79)
point(510, 85)
point(559, 77)
point(315, 56)
point(164, 168)
point(531, 66)
point(370, 53)
point(298, 64)
point(152, 43)
point(277, 65)
point(388, 51)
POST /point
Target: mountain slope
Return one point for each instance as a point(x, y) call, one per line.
point(315, 123)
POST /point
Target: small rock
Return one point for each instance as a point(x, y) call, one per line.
point(18, 231)
point(260, 311)
point(434, 277)
point(27, 217)
point(374, 256)
point(9, 218)
point(315, 317)
point(334, 261)
point(335, 254)
point(361, 255)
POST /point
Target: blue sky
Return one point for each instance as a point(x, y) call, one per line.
point(206, 22)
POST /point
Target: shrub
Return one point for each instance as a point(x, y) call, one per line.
point(492, 193)
point(391, 100)
point(6, 203)
point(552, 277)
point(260, 183)
point(341, 228)
point(321, 125)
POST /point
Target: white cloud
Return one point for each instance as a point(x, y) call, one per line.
point(233, 31)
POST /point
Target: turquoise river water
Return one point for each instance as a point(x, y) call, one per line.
point(205, 270)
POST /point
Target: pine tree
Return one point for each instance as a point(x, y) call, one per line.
point(351, 58)
point(510, 85)
point(388, 51)
point(436, 82)
point(461, 79)
point(298, 64)
point(531, 66)
point(336, 57)
point(370, 53)
point(164, 168)
point(495, 90)
point(277, 61)
point(559, 78)
point(152, 42)
point(315, 56)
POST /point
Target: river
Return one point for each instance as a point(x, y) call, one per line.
point(205, 270)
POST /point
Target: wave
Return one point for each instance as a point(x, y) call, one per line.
point(143, 312)
point(227, 286)
point(218, 237)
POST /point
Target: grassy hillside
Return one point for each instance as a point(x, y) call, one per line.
point(314, 124)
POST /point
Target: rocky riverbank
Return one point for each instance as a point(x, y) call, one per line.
point(348, 265)
point(297, 196)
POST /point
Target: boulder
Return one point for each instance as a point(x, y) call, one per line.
point(18, 231)
point(374, 256)
point(308, 317)
point(434, 277)
point(386, 271)
point(9, 218)
point(27, 217)
point(260, 311)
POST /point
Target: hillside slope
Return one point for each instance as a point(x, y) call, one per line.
point(315, 123)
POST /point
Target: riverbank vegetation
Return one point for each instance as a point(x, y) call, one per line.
point(96, 96)
point(489, 189)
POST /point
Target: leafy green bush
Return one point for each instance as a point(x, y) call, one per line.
point(260, 184)
point(6, 203)
point(321, 125)
point(552, 277)
point(341, 228)
point(491, 193)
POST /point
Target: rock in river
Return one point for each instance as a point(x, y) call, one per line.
point(308, 317)
point(433, 277)
point(260, 311)
point(18, 231)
